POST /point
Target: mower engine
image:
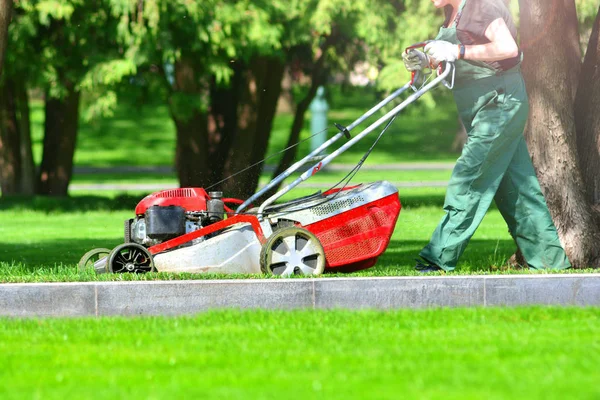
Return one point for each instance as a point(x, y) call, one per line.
point(168, 214)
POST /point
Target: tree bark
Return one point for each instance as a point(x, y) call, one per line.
point(10, 156)
point(60, 136)
point(191, 154)
point(223, 121)
point(27, 184)
point(587, 117)
point(255, 115)
point(17, 171)
point(5, 16)
point(550, 41)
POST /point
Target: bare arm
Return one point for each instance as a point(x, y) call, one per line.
point(501, 47)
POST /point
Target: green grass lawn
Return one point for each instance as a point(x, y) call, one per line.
point(43, 238)
point(522, 353)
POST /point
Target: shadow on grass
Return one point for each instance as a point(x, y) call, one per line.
point(400, 255)
point(49, 253)
point(71, 204)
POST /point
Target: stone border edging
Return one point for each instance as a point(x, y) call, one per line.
point(95, 299)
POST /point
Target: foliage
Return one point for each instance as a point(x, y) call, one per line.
point(586, 12)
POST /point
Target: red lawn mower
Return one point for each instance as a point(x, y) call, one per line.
point(192, 230)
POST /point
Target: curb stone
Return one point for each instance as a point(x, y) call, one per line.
point(95, 299)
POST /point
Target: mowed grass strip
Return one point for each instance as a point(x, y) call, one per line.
point(523, 353)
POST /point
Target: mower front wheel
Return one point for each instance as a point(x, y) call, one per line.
point(95, 258)
point(130, 258)
point(292, 251)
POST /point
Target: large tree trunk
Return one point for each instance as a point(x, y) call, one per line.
point(191, 123)
point(587, 117)
point(551, 67)
point(17, 171)
point(5, 16)
point(60, 136)
point(255, 115)
point(10, 157)
point(223, 121)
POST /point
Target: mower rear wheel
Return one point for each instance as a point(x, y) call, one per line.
point(130, 258)
point(292, 251)
point(92, 259)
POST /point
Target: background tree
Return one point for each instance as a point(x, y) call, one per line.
point(53, 45)
point(5, 16)
point(227, 81)
point(16, 160)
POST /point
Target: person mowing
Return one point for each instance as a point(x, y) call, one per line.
point(479, 37)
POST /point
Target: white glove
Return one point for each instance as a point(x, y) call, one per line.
point(415, 60)
point(441, 50)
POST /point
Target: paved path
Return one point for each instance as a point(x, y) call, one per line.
point(95, 299)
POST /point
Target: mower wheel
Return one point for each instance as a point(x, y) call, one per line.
point(292, 251)
point(95, 258)
point(130, 257)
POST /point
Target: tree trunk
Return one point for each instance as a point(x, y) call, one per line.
point(10, 157)
point(192, 150)
point(587, 117)
point(551, 67)
point(191, 123)
point(223, 121)
point(255, 115)
point(17, 171)
point(27, 184)
point(5, 16)
point(60, 136)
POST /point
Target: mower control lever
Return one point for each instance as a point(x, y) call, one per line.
point(344, 130)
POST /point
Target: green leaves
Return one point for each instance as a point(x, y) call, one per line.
point(108, 73)
point(55, 9)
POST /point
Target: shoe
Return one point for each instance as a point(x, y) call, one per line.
point(424, 267)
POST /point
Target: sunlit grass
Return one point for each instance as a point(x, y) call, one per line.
point(43, 239)
point(511, 353)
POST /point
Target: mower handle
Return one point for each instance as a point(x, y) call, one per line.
point(441, 78)
point(343, 131)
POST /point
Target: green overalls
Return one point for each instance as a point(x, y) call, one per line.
point(494, 165)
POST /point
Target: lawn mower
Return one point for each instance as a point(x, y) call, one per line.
point(198, 231)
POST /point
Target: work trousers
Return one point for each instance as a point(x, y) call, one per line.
point(495, 165)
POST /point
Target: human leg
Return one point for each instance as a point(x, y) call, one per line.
point(521, 202)
point(473, 184)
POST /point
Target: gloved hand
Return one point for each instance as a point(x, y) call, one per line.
point(441, 50)
point(415, 60)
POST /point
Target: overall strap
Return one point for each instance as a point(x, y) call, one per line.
point(460, 12)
